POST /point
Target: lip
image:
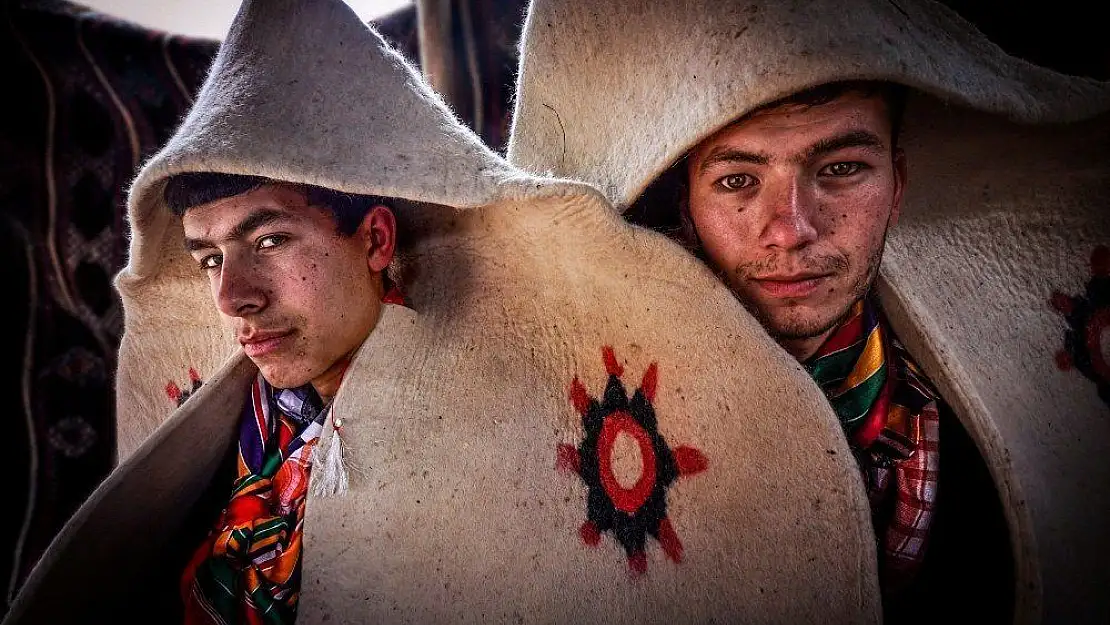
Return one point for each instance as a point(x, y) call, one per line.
point(790, 286)
point(262, 343)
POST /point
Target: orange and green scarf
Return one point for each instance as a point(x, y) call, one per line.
point(889, 413)
point(248, 570)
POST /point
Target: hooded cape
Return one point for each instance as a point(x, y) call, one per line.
point(997, 276)
point(573, 422)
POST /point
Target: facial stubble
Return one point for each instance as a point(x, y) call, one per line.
point(800, 330)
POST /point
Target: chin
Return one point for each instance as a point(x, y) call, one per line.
point(800, 323)
point(279, 377)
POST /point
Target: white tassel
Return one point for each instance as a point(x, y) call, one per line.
point(330, 474)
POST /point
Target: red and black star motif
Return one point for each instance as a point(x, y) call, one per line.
point(1088, 316)
point(179, 395)
point(629, 513)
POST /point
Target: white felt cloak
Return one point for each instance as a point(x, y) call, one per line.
point(1004, 228)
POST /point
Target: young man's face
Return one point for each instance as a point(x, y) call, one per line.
point(301, 297)
point(792, 205)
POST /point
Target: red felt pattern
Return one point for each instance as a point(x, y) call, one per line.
point(626, 500)
point(612, 367)
point(177, 394)
point(628, 513)
point(566, 460)
point(651, 378)
point(579, 397)
point(1088, 317)
point(690, 461)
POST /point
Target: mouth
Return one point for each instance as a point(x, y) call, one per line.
point(259, 344)
point(790, 286)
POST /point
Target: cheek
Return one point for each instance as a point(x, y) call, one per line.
point(347, 320)
point(338, 284)
point(857, 220)
point(309, 275)
point(721, 225)
point(857, 237)
point(311, 280)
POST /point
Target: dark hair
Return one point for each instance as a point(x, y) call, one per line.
point(892, 93)
point(184, 191)
point(662, 206)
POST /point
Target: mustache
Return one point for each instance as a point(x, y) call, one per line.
point(263, 322)
point(776, 264)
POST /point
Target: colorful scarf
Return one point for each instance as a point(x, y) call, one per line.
point(889, 414)
point(248, 569)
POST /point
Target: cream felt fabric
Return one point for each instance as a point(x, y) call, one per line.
point(100, 566)
point(455, 493)
point(1000, 213)
point(454, 410)
point(614, 94)
point(997, 219)
point(338, 130)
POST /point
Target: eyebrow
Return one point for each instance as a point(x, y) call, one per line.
point(732, 155)
point(851, 139)
point(251, 222)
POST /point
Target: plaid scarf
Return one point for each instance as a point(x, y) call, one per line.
point(248, 569)
point(889, 413)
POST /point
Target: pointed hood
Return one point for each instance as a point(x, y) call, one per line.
point(279, 102)
point(550, 415)
point(995, 276)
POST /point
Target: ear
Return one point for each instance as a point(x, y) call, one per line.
point(901, 175)
point(379, 234)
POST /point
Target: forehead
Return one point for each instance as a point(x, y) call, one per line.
point(284, 202)
point(789, 127)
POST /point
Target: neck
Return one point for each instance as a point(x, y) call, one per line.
point(327, 383)
point(802, 348)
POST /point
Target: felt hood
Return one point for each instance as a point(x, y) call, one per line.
point(996, 277)
point(570, 401)
point(303, 119)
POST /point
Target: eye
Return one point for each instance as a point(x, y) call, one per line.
point(212, 261)
point(735, 182)
point(271, 240)
point(840, 170)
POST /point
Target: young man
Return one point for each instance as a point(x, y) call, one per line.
point(281, 259)
point(791, 191)
point(299, 272)
point(791, 205)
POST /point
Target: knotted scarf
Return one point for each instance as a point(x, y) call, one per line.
point(889, 414)
point(248, 569)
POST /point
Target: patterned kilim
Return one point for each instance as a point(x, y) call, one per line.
point(248, 569)
point(889, 413)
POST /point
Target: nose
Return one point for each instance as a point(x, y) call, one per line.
point(790, 214)
point(240, 291)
